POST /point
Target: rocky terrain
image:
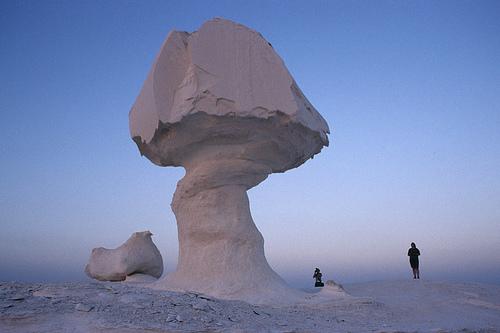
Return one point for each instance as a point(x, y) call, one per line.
point(401, 306)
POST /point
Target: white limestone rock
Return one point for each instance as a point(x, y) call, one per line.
point(224, 68)
point(221, 103)
point(334, 285)
point(138, 255)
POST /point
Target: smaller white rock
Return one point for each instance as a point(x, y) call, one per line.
point(170, 317)
point(83, 307)
point(332, 284)
point(137, 255)
point(201, 305)
point(17, 298)
point(333, 290)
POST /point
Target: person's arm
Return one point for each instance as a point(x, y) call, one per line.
point(418, 252)
point(409, 252)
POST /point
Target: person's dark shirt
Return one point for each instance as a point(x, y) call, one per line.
point(413, 252)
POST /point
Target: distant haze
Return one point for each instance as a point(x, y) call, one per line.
point(411, 91)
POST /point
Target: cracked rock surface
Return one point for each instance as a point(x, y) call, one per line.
point(395, 306)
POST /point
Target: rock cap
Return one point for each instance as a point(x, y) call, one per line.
point(223, 69)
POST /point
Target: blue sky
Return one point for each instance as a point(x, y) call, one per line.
point(411, 91)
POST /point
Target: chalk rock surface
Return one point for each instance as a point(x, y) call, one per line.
point(223, 69)
point(221, 103)
point(385, 306)
point(138, 255)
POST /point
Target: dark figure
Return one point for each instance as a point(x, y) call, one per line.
point(317, 275)
point(413, 253)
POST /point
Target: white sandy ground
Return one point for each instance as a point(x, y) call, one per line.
point(390, 306)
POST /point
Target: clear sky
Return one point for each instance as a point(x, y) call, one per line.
point(410, 89)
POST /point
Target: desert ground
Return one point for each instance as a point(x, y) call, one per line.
point(388, 306)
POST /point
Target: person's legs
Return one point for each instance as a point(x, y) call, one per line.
point(418, 273)
point(414, 266)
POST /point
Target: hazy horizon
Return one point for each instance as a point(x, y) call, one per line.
point(411, 91)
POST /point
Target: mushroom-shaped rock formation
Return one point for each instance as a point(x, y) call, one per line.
point(221, 103)
point(138, 255)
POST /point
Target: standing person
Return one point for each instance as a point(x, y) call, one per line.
point(413, 253)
